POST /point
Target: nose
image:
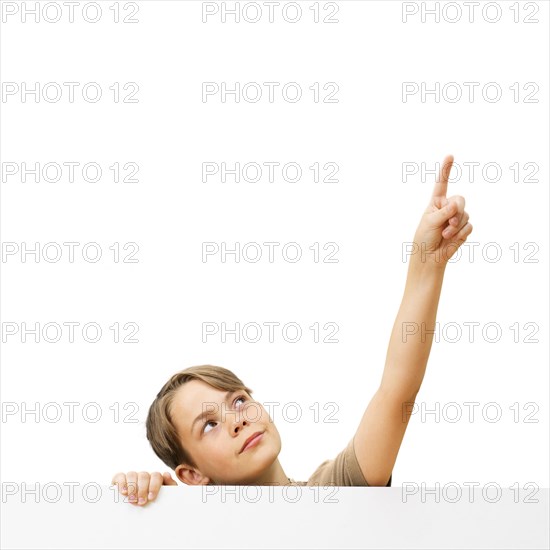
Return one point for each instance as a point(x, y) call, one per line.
point(239, 423)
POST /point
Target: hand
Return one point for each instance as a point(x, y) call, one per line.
point(141, 487)
point(444, 225)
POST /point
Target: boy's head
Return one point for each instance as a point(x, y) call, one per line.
point(208, 450)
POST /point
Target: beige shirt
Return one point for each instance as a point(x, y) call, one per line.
point(342, 471)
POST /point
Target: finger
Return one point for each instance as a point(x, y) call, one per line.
point(451, 230)
point(440, 217)
point(131, 482)
point(120, 481)
point(154, 485)
point(458, 218)
point(462, 235)
point(440, 188)
point(143, 487)
point(167, 479)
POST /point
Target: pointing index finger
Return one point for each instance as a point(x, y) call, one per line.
point(440, 189)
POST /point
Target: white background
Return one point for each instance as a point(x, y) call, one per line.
point(369, 213)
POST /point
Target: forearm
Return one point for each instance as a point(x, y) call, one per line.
point(412, 333)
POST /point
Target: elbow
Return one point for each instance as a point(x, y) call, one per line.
point(404, 395)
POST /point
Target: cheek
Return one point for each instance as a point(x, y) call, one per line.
point(256, 414)
point(214, 455)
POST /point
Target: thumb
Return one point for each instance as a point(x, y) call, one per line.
point(167, 479)
point(439, 217)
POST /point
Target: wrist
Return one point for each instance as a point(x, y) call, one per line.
point(424, 257)
point(426, 268)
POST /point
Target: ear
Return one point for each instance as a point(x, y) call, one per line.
point(190, 476)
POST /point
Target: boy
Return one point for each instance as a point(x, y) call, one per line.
point(242, 447)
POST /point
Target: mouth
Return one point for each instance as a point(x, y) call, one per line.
point(253, 440)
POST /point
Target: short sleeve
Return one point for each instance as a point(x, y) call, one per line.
point(342, 471)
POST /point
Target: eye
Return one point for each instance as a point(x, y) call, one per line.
point(206, 424)
point(240, 398)
point(243, 397)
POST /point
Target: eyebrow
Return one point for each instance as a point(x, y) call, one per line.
point(209, 412)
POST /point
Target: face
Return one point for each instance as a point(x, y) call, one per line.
point(215, 441)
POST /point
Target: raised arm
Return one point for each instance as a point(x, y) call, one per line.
point(442, 230)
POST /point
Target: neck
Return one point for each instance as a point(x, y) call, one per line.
point(274, 475)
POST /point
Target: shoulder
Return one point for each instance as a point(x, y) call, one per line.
point(343, 470)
